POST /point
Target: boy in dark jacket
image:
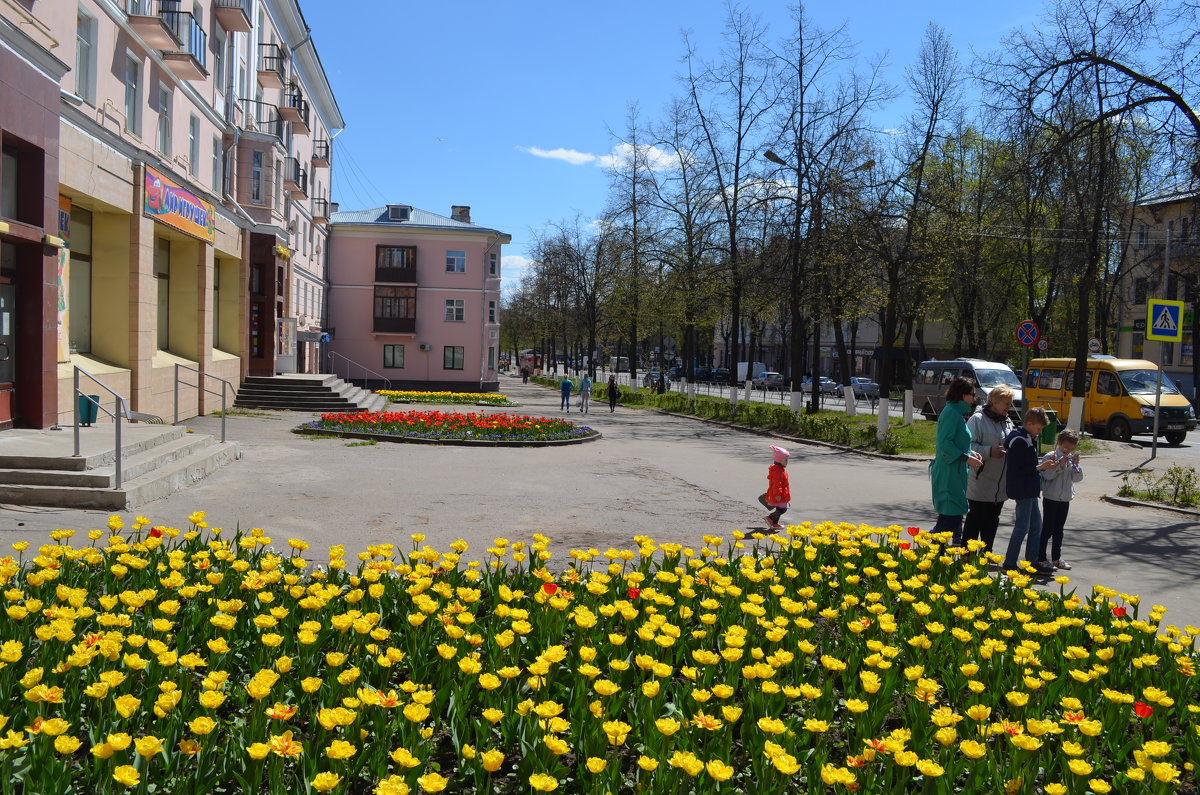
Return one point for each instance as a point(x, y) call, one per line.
point(1024, 485)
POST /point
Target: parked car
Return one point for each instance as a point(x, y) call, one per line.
point(650, 380)
point(865, 388)
point(703, 375)
point(767, 380)
point(829, 386)
point(719, 375)
point(675, 373)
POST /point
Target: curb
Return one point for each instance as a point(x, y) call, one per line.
point(306, 430)
point(1127, 503)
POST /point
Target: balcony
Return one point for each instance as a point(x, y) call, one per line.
point(395, 325)
point(322, 153)
point(295, 178)
point(320, 210)
point(190, 61)
point(154, 22)
point(262, 117)
point(295, 110)
point(272, 66)
point(233, 15)
point(406, 275)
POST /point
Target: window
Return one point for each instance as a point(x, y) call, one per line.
point(1184, 230)
point(393, 356)
point(452, 357)
point(218, 65)
point(1107, 384)
point(491, 311)
point(81, 281)
point(456, 262)
point(395, 309)
point(194, 146)
point(216, 304)
point(133, 94)
point(85, 56)
point(1143, 235)
point(10, 167)
point(493, 264)
point(162, 273)
point(395, 263)
point(1031, 378)
point(455, 310)
point(163, 140)
point(256, 177)
point(1140, 286)
point(491, 357)
point(218, 173)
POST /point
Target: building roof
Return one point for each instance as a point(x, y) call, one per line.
point(417, 218)
point(1179, 191)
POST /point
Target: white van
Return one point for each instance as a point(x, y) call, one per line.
point(934, 377)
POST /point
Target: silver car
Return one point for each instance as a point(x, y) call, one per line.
point(768, 380)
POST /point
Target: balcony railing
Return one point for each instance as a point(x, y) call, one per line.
point(406, 274)
point(233, 15)
point(190, 62)
point(395, 325)
point(154, 22)
point(295, 178)
point(322, 153)
point(272, 66)
point(320, 210)
point(295, 110)
point(262, 117)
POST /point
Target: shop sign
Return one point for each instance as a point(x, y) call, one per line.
point(169, 204)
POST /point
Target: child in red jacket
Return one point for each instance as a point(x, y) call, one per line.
point(779, 493)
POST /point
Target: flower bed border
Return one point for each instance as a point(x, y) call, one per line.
point(309, 429)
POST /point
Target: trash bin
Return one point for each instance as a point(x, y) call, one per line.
point(1051, 429)
point(88, 406)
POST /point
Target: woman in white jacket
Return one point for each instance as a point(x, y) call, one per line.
point(986, 485)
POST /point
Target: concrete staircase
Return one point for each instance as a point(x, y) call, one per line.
point(309, 393)
point(38, 468)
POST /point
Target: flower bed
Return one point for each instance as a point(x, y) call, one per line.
point(446, 398)
point(439, 425)
point(827, 659)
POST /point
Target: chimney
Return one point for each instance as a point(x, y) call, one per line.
point(333, 207)
point(460, 213)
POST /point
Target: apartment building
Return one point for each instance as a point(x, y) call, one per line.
point(414, 298)
point(185, 150)
point(1161, 260)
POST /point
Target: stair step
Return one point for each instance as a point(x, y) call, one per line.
point(70, 463)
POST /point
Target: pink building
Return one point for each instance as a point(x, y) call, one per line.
point(414, 298)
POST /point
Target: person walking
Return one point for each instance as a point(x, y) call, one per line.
point(613, 392)
point(952, 457)
point(524, 375)
point(566, 386)
point(1058, 489)
point(585, 394)
point(1024, 484)
point(988, 427)
point(779, 493)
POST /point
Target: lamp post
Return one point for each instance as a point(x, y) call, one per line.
point(794, 283)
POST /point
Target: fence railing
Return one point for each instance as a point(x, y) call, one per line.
point(334, 356)
point(121, 411)
point(225, 386)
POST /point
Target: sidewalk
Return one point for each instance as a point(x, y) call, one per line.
point(670, 478)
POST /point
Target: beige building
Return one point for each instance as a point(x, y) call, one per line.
point(193, 154)
point(1162, 255)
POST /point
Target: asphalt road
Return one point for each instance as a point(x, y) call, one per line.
point(670, 478)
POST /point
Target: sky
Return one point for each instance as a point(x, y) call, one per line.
point(513, 108)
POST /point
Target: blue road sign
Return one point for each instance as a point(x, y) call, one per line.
point(1028, 333)
point(1164, 320)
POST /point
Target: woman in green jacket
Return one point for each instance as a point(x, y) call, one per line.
point(948, 470)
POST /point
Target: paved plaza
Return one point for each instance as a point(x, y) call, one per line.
point(670, 478)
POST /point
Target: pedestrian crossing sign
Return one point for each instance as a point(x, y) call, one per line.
point(1164, 320)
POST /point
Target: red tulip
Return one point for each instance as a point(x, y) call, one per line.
point(905, 545)
point(550, 588)
point(1142, 709)
point(914, 531)
point(1119, 611)
point(634, 593)
point(156, 532)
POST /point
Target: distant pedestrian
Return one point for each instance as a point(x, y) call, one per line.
point(779, 493)
point(985, 486)
point(566, 386)
point(952, 456)
point(585, 394)
point(1058, 489)
point(613, 392)
point(524, 375)
point(1024, 484)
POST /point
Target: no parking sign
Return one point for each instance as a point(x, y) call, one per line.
point(1028, 333)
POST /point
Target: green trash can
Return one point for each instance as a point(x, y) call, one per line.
point(88, 406)
point(1051, 429)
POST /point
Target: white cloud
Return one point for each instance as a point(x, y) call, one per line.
point(513, 268)
point(656, 159)
point(571, 156)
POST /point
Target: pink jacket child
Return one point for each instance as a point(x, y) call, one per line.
point(779, 492)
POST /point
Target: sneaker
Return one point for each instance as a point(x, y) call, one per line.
point(1062, 564)
point(771, 523)
point(1042, 567)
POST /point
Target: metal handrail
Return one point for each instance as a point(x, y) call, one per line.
point(122, 410)
point(364, 368)
point(200, 386)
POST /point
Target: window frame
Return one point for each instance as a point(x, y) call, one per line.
point(493, 264)
point(162, 137)
point(492, 311)
point(256, 176)
point(456, 261)
point(390, 348)
point(85, 62)
point(456, 310)
point(453, 354)
point(133, 93)
point(194, 145)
